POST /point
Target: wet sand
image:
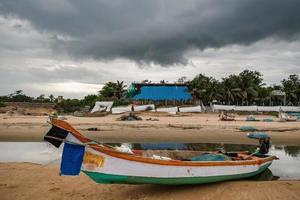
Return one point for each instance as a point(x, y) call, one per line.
point(191, 128)
point(30, 181)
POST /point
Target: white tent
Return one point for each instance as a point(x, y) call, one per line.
point(268, 108)
point(170, 110)
point(102, 106)
point(290, 108)
point(223, 107)
point(257, 108)
point(144, 107)
point(246, 108)
point(190, 109)
point(121, 109)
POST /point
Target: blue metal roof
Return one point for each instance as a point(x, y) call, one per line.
point(162, 93)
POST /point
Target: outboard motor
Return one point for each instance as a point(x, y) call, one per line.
point(264, 143)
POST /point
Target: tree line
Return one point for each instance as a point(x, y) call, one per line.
point(245, 88)
point(111, 91)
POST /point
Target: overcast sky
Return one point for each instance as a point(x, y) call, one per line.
point(72, 47)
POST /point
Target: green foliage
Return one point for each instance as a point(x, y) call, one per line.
point(264, 95)
point(120, 89)
point(112, 90)
point(51, 97)
point(69, 105)
point(89, 100)
point(4, 99)
point(2, 104)
point(204, 88)
point(292, 88)
point(243, 88)
point(108, 90)
point(19, 96)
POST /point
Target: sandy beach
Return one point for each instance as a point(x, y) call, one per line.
point(32, 181)
point(189, 128)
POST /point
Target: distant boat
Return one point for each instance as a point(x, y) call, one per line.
point(106, 164)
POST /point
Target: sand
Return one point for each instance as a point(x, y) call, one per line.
point(192, 128)
point(32, 181)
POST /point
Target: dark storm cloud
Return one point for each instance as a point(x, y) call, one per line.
point(156, 31)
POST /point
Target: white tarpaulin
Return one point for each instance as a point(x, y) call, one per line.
point(144, 107)
point(190, 109)
point(170, 110)
point(102, 106)
point(121, 109)
point(246, 108)
point(223, 107)
point(268, 108)
point(258, 108)
point(290, 108)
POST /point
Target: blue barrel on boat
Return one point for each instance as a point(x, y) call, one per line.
point(258, 135)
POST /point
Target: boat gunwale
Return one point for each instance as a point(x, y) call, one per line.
point(138, 158)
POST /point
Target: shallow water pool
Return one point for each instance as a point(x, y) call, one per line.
point(34, 152)
point(286, 168)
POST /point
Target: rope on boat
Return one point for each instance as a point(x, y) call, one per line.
point(83, 143)
point(67, 141)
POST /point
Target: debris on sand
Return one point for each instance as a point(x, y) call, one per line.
point(248, 128)
point(251, 118)
point(88, 114)
point(150, 119)
point(93, 129)
point(184, 126)
point(130, 117)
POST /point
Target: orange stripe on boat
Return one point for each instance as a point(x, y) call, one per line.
point(138, 158)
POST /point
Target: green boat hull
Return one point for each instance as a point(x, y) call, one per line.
point(121, 179)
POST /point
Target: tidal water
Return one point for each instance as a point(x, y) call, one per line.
point(34, 152)
point(286, 168)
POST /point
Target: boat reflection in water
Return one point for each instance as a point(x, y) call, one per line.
point(266, 175)
point(286, 168)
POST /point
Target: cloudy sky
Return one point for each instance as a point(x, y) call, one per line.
point(72, 47)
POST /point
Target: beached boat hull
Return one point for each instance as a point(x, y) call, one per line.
point(104, 168)
point(121, 179)
point(105, 164)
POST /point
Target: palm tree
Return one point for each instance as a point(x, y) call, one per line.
point(51, 97)
point(213, 90)
point(16, 93)
point(291, 87)
point(108, 90)
point(119, 89)
point(204, 88)
point(112, 90)
point(264, 95)
point(41, 98)
point(230, 92)
point(248, 83)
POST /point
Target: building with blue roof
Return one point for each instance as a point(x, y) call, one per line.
point(159, 92)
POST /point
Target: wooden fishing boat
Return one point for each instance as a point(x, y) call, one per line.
point(105, 164)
